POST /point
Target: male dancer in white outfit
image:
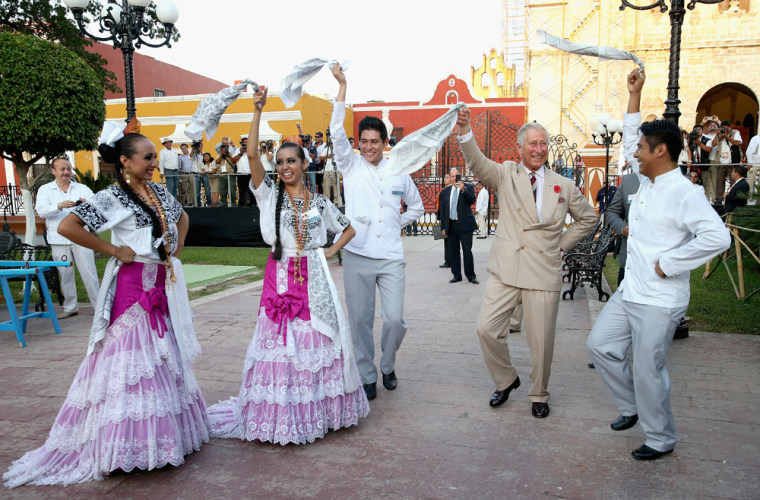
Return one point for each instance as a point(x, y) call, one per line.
point(375, 256)
point(54, 202)
point(671, 229)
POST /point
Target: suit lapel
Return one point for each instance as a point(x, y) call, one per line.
point(551, 196)
point(525, 192)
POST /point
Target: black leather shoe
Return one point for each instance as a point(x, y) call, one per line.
point(592, 366)
point(390, 381)
point(455, 280)
point(646, 453)
point(444, 265)
point(370, 390)
point(540, 410)
point(474, 281)
point(624, 422)
point(498, 398)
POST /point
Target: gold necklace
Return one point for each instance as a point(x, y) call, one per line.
point(299, 232)
point(164, 230)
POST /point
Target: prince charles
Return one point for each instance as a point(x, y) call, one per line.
point(525, 263)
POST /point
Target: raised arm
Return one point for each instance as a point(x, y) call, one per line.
point(632, 119)
point(485, 169)
point(254, 160)
point(342, 149)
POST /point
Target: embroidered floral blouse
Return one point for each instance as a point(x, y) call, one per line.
point(322, 217)
point(130, 225)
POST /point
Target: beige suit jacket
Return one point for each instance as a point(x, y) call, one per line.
point(526, 252)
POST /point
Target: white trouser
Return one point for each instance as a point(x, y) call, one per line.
point(360, 277)
point(754, 170)
point(85, 261)
point(645, 389)
point(481, 220)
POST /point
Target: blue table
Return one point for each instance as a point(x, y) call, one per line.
point(29, 270)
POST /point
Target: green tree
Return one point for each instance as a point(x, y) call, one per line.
point(51, 101)
point(52, 21)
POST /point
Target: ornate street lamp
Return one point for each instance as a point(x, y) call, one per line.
point(677, 12)
point(606, 132)
point(125, 27)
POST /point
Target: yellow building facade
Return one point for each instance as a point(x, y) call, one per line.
point(718, 70)
point(168, 116)
point(494, 78)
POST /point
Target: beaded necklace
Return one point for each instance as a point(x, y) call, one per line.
point(299, 232)
point(164, 230)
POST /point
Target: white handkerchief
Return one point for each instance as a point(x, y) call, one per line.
point(416, 149)
point(210, 110)
point(291, 87)
point(601, 52)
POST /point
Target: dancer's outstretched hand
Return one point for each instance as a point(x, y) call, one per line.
point(260, 98)
point(463, 120)
point(337, 72)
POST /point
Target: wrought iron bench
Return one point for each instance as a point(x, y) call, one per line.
point(585, 261)
point(12, 249)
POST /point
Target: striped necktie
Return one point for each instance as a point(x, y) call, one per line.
point(533, 184)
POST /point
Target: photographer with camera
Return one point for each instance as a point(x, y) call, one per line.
point(266, 155)
point(330, 185)
point(244, 175)
point(196, 155)
point(316, 167)
point(210, 179)
point(700, 150)
point(227, 162)
point(727, 142)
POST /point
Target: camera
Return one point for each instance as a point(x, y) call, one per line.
point(244, 147)
point(694, 135)
point(78, 202)
point(458, 178)
point(723, 130)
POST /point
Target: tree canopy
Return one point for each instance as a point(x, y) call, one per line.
point(51, 20)
point(51, 101)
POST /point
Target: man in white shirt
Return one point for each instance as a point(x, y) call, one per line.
point(671, 229)
point(54, 202)
point(244, 175)
point(374, 258)
point(168, 166)
point(753, 158)
point(726, 139)
point(330, 186)
point(481, 210)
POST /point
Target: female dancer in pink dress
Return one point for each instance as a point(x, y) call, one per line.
point(299, 376)
point(135, 401)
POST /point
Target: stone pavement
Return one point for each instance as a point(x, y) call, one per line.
point(435, 436)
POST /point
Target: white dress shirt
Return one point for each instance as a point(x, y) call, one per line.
point(243, 167)
point(168, 159)
point(671, 222)
point(48, 197)
point(322, 151)
point(753, 150)
point(481, 204)
point(373, 198)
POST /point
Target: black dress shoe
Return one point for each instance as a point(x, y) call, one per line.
point(455, 280)
point(540, 410)
point(370, 390)
point(498, 398)
point(474, 281)
point(624, 422)
point(390, 381)
point(592, 366)
point(444, 265)
point(646, 453)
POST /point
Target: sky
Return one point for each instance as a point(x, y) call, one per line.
point(398, 49)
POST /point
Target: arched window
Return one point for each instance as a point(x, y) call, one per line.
point(452, 97)
point(485, 80)
point(493, 63)
point(500, 80)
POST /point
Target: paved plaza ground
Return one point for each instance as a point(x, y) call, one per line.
point(435, 436)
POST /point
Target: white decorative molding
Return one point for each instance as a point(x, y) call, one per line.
point(272, 116)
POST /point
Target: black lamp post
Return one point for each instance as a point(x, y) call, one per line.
point(606, 132)
point(125, 27)
point(677, 12)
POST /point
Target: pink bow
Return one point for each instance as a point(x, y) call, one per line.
point(282, 308)
point(154, 302)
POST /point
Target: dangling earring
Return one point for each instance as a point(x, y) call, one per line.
point(126, 177)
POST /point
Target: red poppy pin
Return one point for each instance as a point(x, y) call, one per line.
point(557, 189)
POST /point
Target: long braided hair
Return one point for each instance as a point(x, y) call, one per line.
point(127, 146)
point(277, 253)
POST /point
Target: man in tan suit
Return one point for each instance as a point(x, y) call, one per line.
point(525, 262)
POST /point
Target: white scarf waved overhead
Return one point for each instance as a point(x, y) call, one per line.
point(210, 110)
point(291, 86)
point(416, 149)
point(584, 49)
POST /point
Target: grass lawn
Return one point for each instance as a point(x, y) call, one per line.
point(714, 306)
